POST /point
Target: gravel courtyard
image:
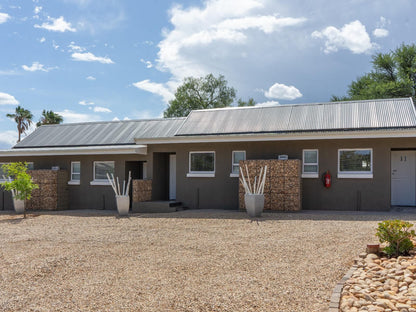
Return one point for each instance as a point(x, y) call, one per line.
point(183, 261)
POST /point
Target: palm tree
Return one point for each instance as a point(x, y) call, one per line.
point(23, 118)
point(49, 118)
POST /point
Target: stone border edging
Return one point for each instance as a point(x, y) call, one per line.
point(336, 293)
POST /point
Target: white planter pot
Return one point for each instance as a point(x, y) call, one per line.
point(123, 203)
point(19, 205)
point(254, 204)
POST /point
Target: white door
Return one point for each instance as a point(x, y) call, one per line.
point(172, 177)
point(403, 188)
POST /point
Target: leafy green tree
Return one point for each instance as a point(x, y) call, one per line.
point(49, 118)
point(23, 118)
point(393, 75)
point(200, 93)
point(242, 103)
point(20, 183)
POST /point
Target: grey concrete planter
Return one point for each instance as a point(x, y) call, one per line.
point(19, 205)
point(254, 204)
point(123, 203)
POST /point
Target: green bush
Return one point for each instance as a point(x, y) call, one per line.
point(21, 183)
point(398, 234)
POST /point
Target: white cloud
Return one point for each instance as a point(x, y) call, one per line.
point(268, 103)
point(75, 48)
point(91, 78)
point(85, 103)
point(156, 88)
point(380, 32)
point(89, 57)
point(352, 36)
point(116, 119)
point(126, 118)
point(7, 99)
point(55, 45)
point(36, 66)
point(8, 138)
point(56, 24)
point(71, 116)
point(37, 9)
point(147, 63)
point(42, 40)
point(99, 109)
point(4, 17)
point(282, 92)
point(216, 28)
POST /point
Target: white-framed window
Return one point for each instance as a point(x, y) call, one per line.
point(75, 173)
point(310, 163)
point(201, 164)
point(235, 162)
point(100, 170)
point(355, 163)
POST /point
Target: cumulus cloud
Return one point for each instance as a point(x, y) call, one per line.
point(282, 92)
point(71, 116)
point(89, 57)
point(7, 99)
point(36, 66)
point(8, 138)
point(42, 40)
point(56, 24)
point(37, 9)
point(155, 88)
point(352, 36)
point(380, 32)
point(4, 17)
point(99, 109)
point(217, 27)
point(91, 78)
point(267, 103)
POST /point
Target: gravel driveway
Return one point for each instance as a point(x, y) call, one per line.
point(183, 261)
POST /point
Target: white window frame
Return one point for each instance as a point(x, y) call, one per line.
point(200, 174)
point(101, 181)
point(310, 175)
point(355, 174)
point(232, 174)
point(71, 181)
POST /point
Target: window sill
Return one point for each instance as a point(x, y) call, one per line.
point(200, 175)
point(310, 175)
point(355, 176)
point(234, 175)
point(100, 183)
point(74, 182)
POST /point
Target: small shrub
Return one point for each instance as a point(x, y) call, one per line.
point(398, 234)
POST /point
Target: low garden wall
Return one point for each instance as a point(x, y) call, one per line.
point(142, 190)
point(283, 185)
point(52, 193)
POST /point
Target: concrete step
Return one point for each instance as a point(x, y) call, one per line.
point(157, 206)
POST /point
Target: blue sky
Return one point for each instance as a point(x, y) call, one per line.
point(95, 60)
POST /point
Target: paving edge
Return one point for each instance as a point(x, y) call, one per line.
point(336, 293)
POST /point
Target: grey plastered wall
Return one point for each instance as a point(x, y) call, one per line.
point(83, 196)
point(221, 192)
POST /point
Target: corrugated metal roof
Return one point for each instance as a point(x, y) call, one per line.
point(101, 133)
point(352, 115)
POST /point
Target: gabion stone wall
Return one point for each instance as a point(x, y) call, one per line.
point(52, 193)
point(142, 190)
point(283, 185)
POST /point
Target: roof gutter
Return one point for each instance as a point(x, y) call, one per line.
point(84, 150)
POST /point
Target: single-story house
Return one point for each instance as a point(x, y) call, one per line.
point(369, 148)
